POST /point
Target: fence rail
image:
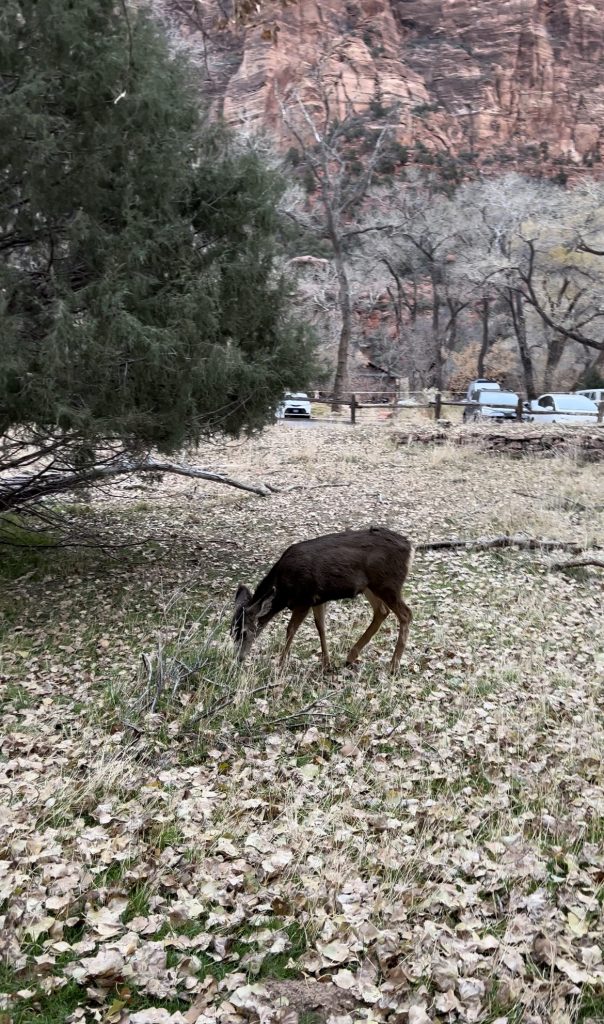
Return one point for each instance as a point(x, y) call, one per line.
point(520, 412)
point(438, 403)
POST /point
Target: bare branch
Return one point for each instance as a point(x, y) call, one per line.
point(16, 491)
point(573, 563)
point(503, 541)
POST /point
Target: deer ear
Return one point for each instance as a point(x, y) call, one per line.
point(242, 597)
point(267, 603)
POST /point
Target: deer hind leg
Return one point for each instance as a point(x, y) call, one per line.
point(404, 616)
point(380, 611)
point(319, 614)
point(298, 616)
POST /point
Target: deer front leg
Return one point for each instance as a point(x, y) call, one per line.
point(319, 614)
point(298, 616)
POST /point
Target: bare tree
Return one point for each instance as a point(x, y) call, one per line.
point(338, 151)
point(535, 246)
point(416, 252)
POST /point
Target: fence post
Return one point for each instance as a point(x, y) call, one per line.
point(353, 408)
point(600, 412)
point(519, 409)
point(437, 405)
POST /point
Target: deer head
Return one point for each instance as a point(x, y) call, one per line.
point(248, 618)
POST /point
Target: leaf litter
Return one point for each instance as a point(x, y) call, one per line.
point(255, 847)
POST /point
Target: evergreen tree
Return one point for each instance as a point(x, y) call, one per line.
point(139, 297)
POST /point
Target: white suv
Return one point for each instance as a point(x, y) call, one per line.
point(493, 405)
point(476, 386)
point(595, 395)
point(563, 409)
point(295, 405)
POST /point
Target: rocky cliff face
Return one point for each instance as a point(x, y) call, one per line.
point(507, 82)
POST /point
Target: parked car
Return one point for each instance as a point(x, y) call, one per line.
point(562, 409)
point(295, 405)
point(477, 386)
point(595, 395)
point(490, 406)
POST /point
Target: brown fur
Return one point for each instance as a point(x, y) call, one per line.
point(374, 562)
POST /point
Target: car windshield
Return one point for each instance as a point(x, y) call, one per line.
point(300, 395)
point(578, 402)
point(498, 398)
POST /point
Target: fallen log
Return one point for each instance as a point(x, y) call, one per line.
point(575, 563)
point(504, 541)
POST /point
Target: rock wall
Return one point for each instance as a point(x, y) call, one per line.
point(506, 82)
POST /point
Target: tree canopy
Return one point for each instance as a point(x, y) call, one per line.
point(139, 295)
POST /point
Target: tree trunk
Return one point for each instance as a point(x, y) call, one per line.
point(340, 386)
point(484, 347)
point(516, 305)
point(437, 374)
point(450, 338)
point(415, 376)
point(555, 348)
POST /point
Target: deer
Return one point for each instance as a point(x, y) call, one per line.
point(374, 562)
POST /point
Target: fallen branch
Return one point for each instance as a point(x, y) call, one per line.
point(573, 563)
point(17, 491)
point(202, 474)
point(504, 541)
point(312, 487)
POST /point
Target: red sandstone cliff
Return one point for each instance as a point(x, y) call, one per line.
point(486, 78)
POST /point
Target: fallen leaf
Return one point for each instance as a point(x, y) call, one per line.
point(335, 951)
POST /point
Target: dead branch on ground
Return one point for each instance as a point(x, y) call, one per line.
point(503, 541)
point(18, 491)
point(576, 563)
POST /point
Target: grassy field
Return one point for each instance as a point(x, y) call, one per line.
point(184, 841)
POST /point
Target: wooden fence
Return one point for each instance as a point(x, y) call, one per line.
point(519, 413)
point(362, 400)
point(439, 403)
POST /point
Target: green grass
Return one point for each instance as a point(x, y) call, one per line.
point(114, 873)
point(170, 835)
point(275, 965)
point(58, 1007)
point(40, 1009)
point(16, 697)
point(138, 903)
point(591, 1006)
point(21, 548)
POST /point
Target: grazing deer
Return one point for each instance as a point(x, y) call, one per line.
point(373, 562)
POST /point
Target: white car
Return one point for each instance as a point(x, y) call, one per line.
point(494, 405)
point(562, 409)
point(477, 386)
point(295, 405)
point(595, 395)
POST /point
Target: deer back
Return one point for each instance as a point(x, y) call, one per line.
point(338, 566)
